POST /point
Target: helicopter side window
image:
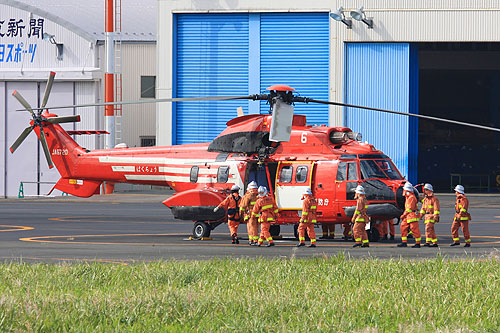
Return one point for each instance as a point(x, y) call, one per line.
point(301, 174)
point(370, 169)
point(342, 171)
point(193, 175)
point(352, 173)
point(222, 174)
point(389, 169)
point(286, 174)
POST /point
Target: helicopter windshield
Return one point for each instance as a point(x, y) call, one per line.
point(383, 169)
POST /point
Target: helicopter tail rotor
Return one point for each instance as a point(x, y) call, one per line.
point(41, 120)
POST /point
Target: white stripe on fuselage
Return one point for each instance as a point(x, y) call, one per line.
point(153, 160)
point(165, 178)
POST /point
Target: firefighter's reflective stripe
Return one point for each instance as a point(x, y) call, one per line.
point(313, 221)
point(255, 214)
point(276, 210)
point(428, 240)
point(463, 210)
point(465, 218)
point(404, 239)
point(437, 212)
point(435, 240)
point(252, 202)
point(412, 220)
point(467, 240)
point(456, 240)
point(418, 239)
point(427, 221)
point(357, 212)
point(270, 219)
point(305, 213)
point(267, 207)
point(409, 210)
point(422, 211)
point(313, 207)
point(365, 240)
point(360, 220)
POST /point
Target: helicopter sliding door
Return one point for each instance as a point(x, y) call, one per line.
point(292, 179)
point(262, 174)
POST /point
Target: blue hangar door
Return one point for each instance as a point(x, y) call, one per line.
point(385, 75)
point(242, 54)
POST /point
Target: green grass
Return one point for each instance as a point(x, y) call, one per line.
point(321, 294)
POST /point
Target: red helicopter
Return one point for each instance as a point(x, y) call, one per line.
point(278, 151)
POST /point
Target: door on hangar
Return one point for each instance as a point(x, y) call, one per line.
point(242, 54)
point(385, 75)
point(28, 163)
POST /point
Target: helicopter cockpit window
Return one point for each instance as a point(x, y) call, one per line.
point(370, 169)
point(389, 169)
point(222, 174)
point(301, 174)
point(193, 175)
point(286, 174)
point(342, 171)
point(352, 173)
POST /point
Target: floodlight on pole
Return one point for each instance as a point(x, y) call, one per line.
point(52, 40)
point(359, 15)
point(338, 15)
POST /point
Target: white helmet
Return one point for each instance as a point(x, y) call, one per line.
point(308, 191)
point(262, 191)
point(252, 185)
point(408, 187)
point(428, 187)
point(360, 189)
point(460, 189)
point(235, 188)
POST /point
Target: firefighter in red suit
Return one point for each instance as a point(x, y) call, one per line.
point(461, 218)
point(231, 205)
point(266, 210)
point(410, 217)
point(308, 219)
point(360, 218)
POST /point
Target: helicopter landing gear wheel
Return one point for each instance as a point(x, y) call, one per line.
point(274, 230)
point(201, 229)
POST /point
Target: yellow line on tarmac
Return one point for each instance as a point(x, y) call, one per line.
point(16, 228)
point(70, 240)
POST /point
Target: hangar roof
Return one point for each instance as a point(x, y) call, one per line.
point(87, 18)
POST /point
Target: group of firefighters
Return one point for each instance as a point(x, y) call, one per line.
point(257, 207)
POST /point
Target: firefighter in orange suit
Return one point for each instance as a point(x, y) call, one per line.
point(231, 205)
point(246, 206)
point(328, 231)
point(410, 217)
point(430, 209)
point(308, 219)
point(360, 218)
point(462, 217)
point(266, 211)
point(392, 230)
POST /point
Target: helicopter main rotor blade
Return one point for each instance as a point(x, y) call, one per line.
point(21, 100)
point(46, 148)
point(48, 88)
point(158, 100)
point(21, 138)
point(406, 114)
point(64, 119)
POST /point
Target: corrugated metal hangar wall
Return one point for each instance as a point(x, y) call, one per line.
point(379, 67)
point(242, 54)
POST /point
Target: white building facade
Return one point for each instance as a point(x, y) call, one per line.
point(73, 48)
